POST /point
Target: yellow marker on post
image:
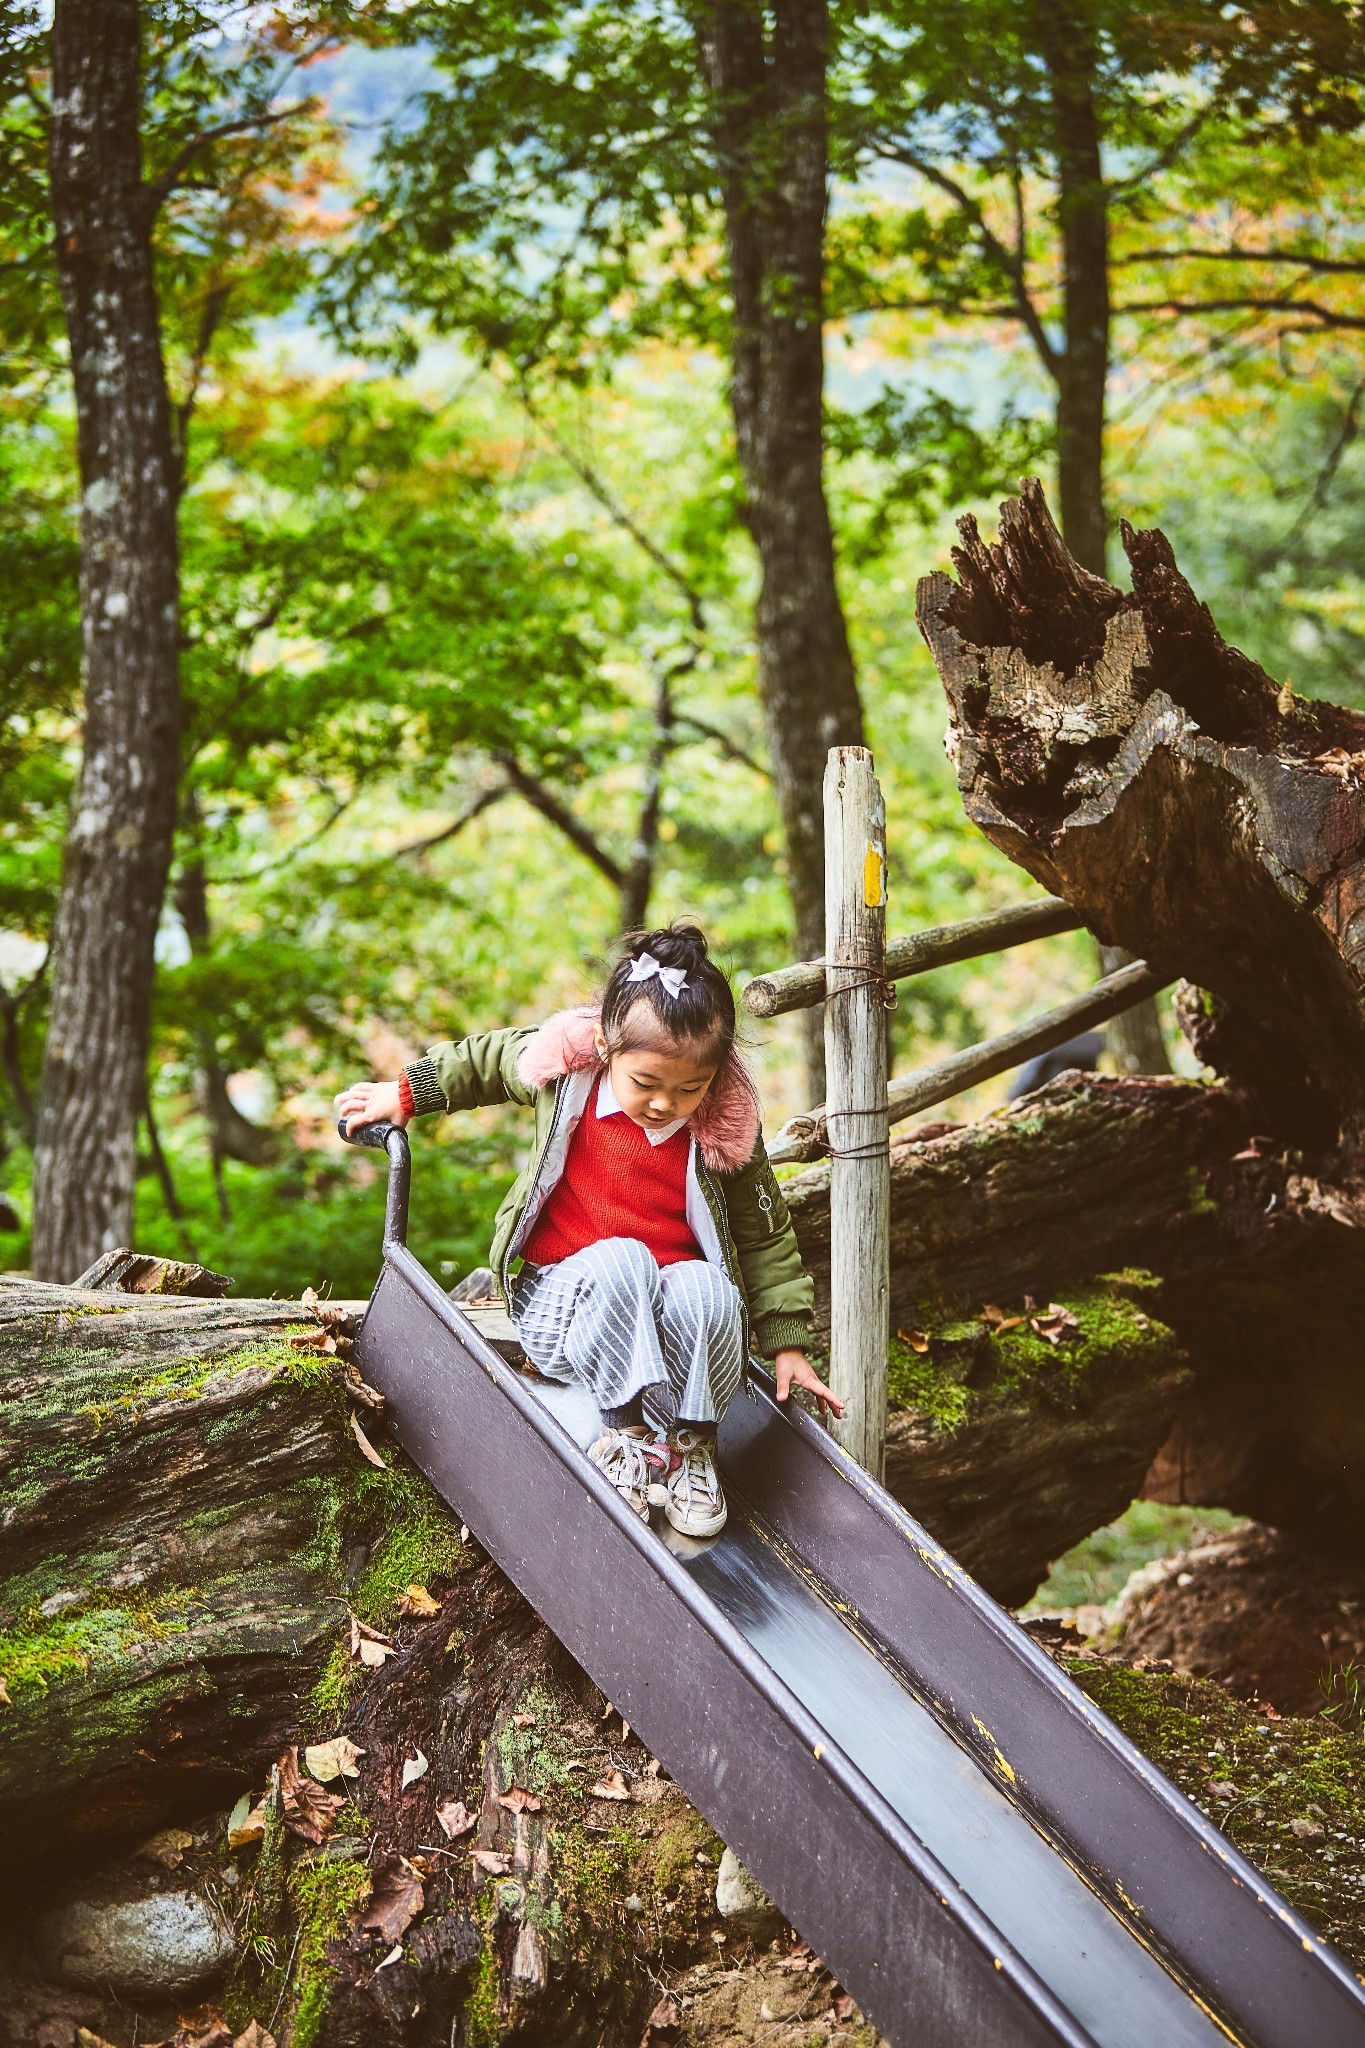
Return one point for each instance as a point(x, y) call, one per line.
point(874, 876)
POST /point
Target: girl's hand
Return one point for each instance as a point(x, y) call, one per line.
point(370, 1102)
point(794, 1369)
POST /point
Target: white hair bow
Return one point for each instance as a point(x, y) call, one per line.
point(645, 967)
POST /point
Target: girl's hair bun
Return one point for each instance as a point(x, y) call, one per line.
point(702, 1012)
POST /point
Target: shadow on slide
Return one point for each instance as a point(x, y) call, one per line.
point(962, 1836)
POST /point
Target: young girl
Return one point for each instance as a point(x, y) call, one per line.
point(646, 1248)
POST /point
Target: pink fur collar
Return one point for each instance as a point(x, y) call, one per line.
point(726, 1126)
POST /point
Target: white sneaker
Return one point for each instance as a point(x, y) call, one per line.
point(622, 1457)
point(695, 1504)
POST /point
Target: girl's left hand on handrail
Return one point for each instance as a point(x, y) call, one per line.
point(370, 1102)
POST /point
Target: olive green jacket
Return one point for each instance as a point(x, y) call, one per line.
point(735, 1205)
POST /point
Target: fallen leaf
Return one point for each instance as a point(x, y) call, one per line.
point(308, 1810)
point(523, 1720)
point(396, 1898)
point(334, 1759)
point(1008, 1323)
point(310, 1297)
point(664, 2023)
point(167, 1847)
point(255, 2036)
point(205, 2027)
point(368, 1645)
point(85, 2039)
point(251, 1826)
point(1284, 699)
point(518, 1800)
point(414, 1768)
point(416, 1601)
point(611, 1785)
point(918, 1340)
point(491, 1861)
point(392, 1957)
point(5, 1700)
point(1056, 1324)
point(367, 1449)
point(360, 1390)
point(1307, 1830)
point(1221, 1788)
point(455, 1819)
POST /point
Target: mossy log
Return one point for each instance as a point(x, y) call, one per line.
point(178, 1490)
point(1187, 805)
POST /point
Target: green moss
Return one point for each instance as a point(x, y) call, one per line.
point(37, 1653)
point(970, 1361)
point(1201, 1201)
point(1096, 1570)
point(537, 1757)
point(422, 1546)
point(1269, 1773)
point(482, 2015)
point(915, 1380)
point(331, 1696)
point(323, 1894)
point(673, 1854)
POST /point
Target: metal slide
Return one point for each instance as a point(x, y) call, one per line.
point(969, 1844)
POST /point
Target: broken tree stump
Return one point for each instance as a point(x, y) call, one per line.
point(1188, 806)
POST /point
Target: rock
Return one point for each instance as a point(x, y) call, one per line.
point(742, 1902)
point(158, 1946)
point(1308, 1830)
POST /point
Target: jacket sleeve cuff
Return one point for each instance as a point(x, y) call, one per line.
point(424, 1087)
point(780, 1331)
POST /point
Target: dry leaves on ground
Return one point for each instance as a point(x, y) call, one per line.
point(414, 1767)
point(246, 1823)
point(455, 1819)
point(518, 1800)
point(918, 1340)
point(523, 1720)
point(167, 1847)
point(396, 1898)
point(611, 1785)
point(335, 1759)
point(664, 2023)
point(1000, 1322)
point(416, 1603)
point(368, 1645)
point(308, 1810)
point(490, 1861)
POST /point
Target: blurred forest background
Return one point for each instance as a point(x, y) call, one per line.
point(460, 344)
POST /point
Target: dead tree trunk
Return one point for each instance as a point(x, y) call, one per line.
point(1191, 809)
point(118, 844)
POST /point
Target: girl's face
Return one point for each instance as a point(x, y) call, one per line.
point(656, 1084)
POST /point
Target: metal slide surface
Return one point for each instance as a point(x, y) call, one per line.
point(969, 1844)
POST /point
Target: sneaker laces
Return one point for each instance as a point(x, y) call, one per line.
point(626, 1462)
point(696, 1469)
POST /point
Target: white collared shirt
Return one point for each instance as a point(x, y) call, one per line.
point(607, 1105)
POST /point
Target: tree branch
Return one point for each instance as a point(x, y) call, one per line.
point(612, 505)
point(730, 748)
point(160, 188)
point(1004, 258)
point(1323, 318)
point(543, 799)
point(1165, 156)
point(1319, 266)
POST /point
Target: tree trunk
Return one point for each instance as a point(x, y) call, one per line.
point(1162, 784)
point(769, 101)
point(1135, 1040)
point(118, 845)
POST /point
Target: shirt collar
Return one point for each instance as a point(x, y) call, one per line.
point(607, 1105)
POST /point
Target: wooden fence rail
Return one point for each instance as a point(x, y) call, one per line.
point(854, 981)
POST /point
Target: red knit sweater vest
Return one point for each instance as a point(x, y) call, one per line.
point(616, 1184)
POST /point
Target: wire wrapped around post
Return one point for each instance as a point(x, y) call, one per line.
point(856, 1108)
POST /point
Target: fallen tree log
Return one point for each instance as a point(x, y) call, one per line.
point(1188, 806)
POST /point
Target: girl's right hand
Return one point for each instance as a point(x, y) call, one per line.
point(370, 1102)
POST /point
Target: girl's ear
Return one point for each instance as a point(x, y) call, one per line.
point(599, 1041)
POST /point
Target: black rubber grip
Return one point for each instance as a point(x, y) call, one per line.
point(376, 1136)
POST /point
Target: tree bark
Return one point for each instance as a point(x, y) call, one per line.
point(118, 845)
point(1161, 783)
point(768, 92)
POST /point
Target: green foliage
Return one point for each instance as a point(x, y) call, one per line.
point(1095, 1571)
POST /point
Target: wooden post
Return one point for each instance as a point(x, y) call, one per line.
point(856, 1105)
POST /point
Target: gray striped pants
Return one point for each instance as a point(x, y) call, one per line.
point(612, 1318)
